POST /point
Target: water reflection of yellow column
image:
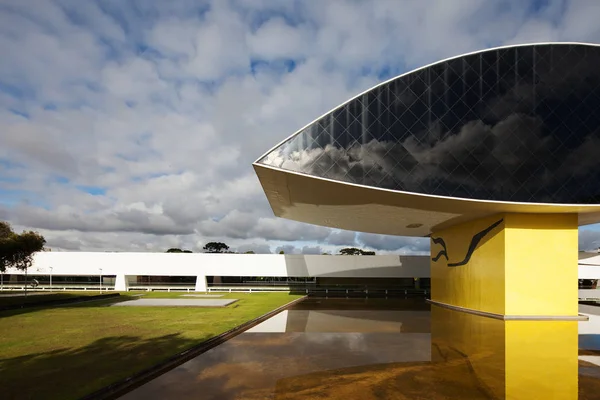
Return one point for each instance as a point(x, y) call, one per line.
point(509, 359)
point(541, 359)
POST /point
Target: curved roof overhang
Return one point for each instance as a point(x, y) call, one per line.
point(342, 205)
point(321, 201)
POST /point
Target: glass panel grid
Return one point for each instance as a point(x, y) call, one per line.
point(517, 124)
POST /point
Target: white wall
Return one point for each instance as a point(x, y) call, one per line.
point(201, 265)
point(190, 264)
point(589, 268)
point(589, 271)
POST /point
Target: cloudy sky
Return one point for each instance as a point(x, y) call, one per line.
point(132, 125)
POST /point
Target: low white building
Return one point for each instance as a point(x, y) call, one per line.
point(589, 265)
point(121, 270)
point(589, 268)
point(126, 267)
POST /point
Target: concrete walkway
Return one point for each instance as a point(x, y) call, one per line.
point(176, 303)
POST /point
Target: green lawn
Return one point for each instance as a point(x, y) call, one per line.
point(65, 352)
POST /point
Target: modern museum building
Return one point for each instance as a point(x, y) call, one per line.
point(492, 154)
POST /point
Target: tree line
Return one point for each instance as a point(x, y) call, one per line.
point(211, 247)
point(220, 247)
point(17, 249)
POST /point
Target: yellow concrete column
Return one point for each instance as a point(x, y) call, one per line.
point(515, 265)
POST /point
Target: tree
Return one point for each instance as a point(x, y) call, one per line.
point(176, 250)
point(282, 252)
point(5, 230)
point(17, 250)
point(249, 252)
point(353, 251)
point(216, 247)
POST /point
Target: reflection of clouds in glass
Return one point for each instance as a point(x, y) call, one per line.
point(511, 146)
point(584, 158)
point(503, 154)
point(354, 342)
point(374, 158)
point(519, 125)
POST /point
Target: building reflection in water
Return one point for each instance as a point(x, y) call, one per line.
point(359, 349)
point(511, 359)
point(472, 357)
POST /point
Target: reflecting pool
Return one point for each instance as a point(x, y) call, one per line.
point(392, 348)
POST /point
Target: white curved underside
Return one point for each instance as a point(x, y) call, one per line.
point(335, 204)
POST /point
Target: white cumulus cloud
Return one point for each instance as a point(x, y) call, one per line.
point(132, 126)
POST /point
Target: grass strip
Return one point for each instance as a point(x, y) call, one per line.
point(69, 351)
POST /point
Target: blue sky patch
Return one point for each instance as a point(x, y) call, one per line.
point(18, 92)
point(93, 190)
point(13, 198)
point(284, 65)
point(293, 18)
point(10, 179)
point(21, 113)
point(6, 164)
point(61, 180)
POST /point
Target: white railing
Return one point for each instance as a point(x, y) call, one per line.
point(167, 288)
point(227, 288)
point(74, 287)
point(146, 288)
point(248, 289)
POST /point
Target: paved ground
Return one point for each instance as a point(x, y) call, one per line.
point(202, 295)
point(177, 302)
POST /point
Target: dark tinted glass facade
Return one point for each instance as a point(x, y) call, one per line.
point(517, 124)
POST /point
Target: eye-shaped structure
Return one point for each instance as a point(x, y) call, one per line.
point(510, 129)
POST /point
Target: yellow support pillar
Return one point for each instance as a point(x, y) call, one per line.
point(508, 265)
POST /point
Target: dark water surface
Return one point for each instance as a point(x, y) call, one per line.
point(391, 349)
